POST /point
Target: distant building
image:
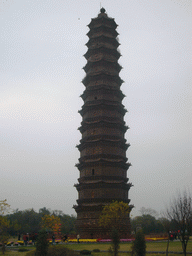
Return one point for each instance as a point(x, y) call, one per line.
point(102, 164)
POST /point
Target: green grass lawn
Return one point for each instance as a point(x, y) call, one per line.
point(151, 246)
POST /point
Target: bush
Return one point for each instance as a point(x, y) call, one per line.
point(58, 250)
point(85, 252)
point(42, 244)
point(96, 250)
point(23, 250)
point(139, 245)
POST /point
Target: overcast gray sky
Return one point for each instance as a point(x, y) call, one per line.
point(41, 59)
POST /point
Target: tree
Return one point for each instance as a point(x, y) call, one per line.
point(4, 223)
point(167, 224)
point(113, 216)
point(42, 243)
point(4, 207)
point(28, 220)
point(148, 211)
point(44, 211)
point(115, 241)
point(180, 212)
point(148, 223)
point(139, 244)
point(51, 223)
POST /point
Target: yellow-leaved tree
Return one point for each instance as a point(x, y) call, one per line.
point(4, 223)
point(113, 217)
point(51, 223)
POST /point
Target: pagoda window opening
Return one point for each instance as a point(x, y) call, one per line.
point(95, 97)
point(93, 172)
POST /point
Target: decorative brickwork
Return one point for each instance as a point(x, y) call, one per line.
point(102, 164)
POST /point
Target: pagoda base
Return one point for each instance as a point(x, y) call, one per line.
point(88, 228)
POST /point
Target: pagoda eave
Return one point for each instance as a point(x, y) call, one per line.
point(102, 49)
point(104, 90)
point(102, 76)
point(104, 162)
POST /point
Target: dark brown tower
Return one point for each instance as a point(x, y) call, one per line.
point(102, 164)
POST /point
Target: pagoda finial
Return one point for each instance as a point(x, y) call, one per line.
point(102, 10)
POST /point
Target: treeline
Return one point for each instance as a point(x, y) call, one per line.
point(151, 224)
point(29, 221)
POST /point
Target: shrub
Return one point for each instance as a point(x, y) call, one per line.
point(85, 252)
point(42, 244)
point(96, 250)
point(58, 250)
point(23, 250)
point(139, 245)
point(61, 250)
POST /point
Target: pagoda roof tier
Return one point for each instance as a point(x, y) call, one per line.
point(102, 30)
point(102, 105)
point(103, 184)
point(101, 122)
point(102, 40)
point(89, 207)
point(102, 56)
point(110, 157)
point(94, 71)
point(102, 50)
point(102, 177)
point(103, 137)
point(105, 142)
point(103, 76)
point(85, 208)
point(103, 64)
point(104, 162)
point(101, 20)
point(91, 201)
point(102, 89)
point(111, 103)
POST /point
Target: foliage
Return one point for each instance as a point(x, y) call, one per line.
point(50, 223)
point(96, 250)
point(166, 224)
point(42, 243)
point(29, 221)
point(139, 245)
point(148, 211)
point(4, 207)
point(58, 250)
point(113, 217)
point(44, 210)
point(180, 212)
point(61, 250)
point(114, 214)
point(85, 252)
point(67, 224)
point(23, 249)
point(148, 223)
point(4, 223)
